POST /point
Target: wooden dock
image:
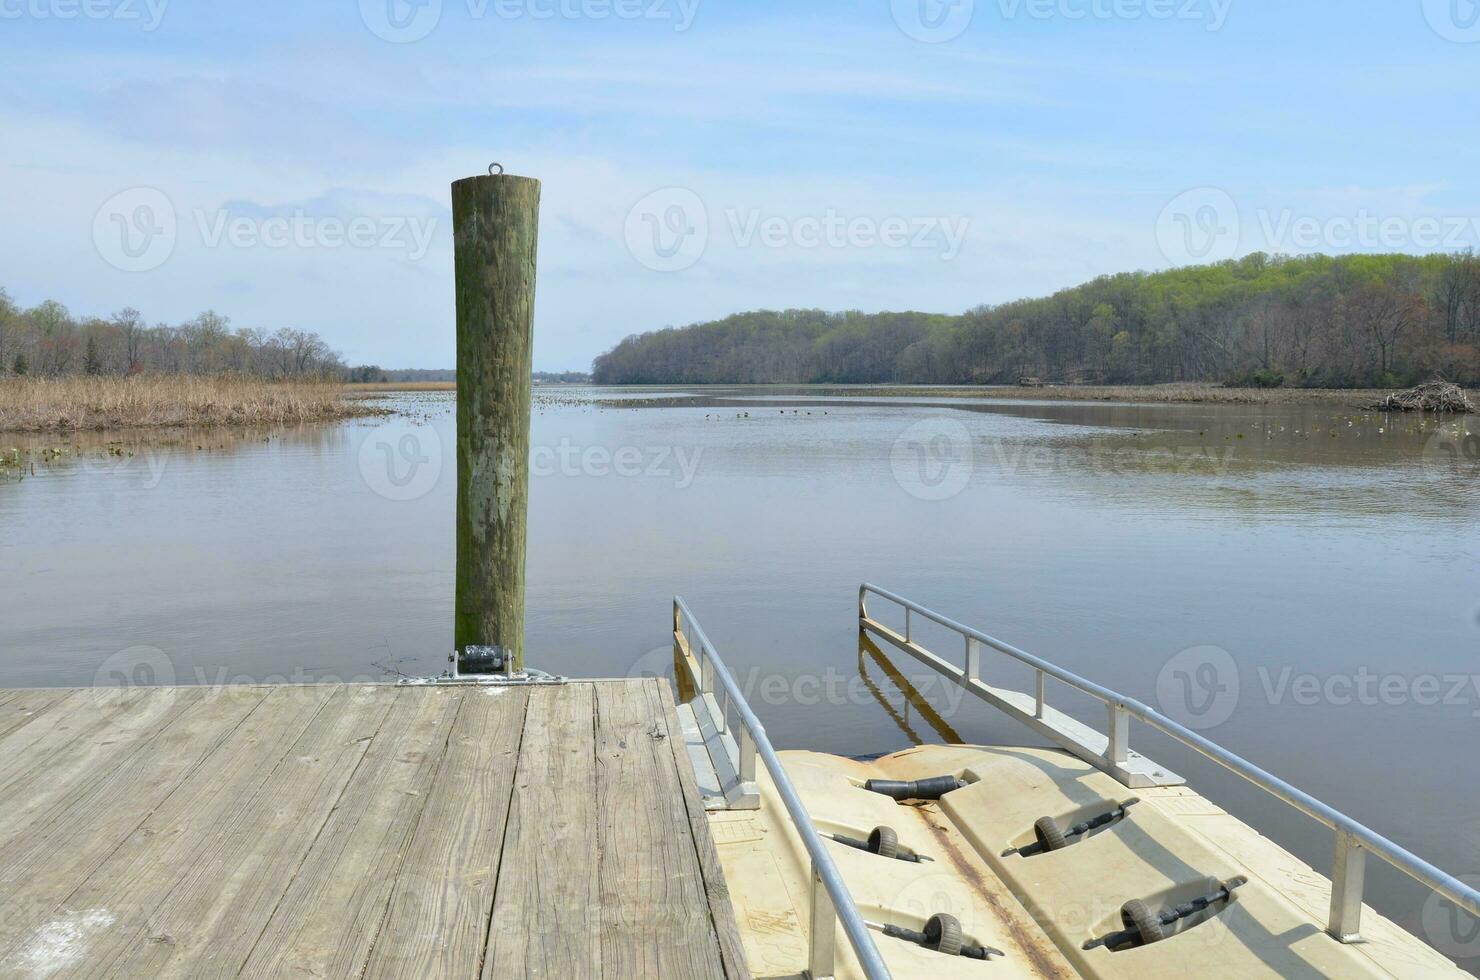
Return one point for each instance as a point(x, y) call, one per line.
point(356, 831)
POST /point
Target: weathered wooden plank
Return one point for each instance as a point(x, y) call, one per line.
point(330, 916)
point(655, 918)
point(77, 739)
point(129, 887)
point(79, 831)
point(437, 919)
point(721, 910)
point(29, 704)
point(367, 831)
point(547, 886)
point(232, 883)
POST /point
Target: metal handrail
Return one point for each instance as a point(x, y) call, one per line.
point(1353, 839)
point(830, 896)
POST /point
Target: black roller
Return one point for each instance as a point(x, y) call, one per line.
point(920, 789)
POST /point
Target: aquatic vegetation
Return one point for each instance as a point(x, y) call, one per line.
point(162, 401)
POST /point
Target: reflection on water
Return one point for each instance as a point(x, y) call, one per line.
point(914, 703)
point(1326, 549)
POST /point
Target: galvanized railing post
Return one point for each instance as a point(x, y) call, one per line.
point(1348, 874)
point(1118, 750)
point(747, 757)
point(1040, 701)
point(822, 955)
point(973, 666)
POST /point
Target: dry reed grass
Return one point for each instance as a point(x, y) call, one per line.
point(163, 401)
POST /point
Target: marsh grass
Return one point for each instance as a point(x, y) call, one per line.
point(168, 401)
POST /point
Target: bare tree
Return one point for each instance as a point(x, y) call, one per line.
point(1383, 313)
point(130, 326)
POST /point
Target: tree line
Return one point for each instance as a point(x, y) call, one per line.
point(1319, 321)
point(47, 340)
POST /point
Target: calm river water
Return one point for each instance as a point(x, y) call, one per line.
point(1298, 582)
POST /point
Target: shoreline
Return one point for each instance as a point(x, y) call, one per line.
point(1170, 393)
point(1165, 394)
point(141, 405)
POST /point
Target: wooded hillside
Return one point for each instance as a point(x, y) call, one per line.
point(1356, 320)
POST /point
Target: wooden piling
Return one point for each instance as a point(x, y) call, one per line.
point(495, 226)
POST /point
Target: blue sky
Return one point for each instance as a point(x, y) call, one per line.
point(703, 157)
